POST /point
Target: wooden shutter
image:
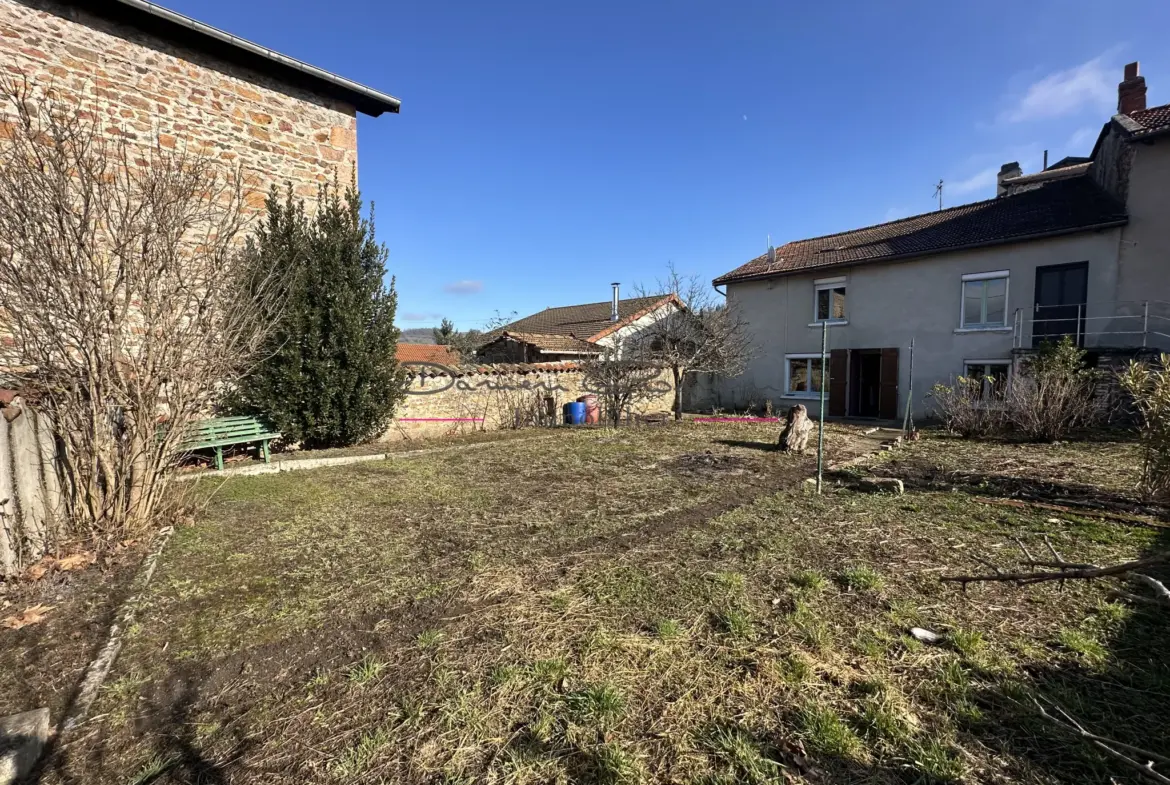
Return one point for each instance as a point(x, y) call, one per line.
point(838, 374)
point(888, 394)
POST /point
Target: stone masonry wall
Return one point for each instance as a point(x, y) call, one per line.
point(487, 400)
point(145, 89)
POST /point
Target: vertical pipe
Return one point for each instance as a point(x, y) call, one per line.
point(909, 393)
point(824, 378)
point(1145, 322)
point(1079, 324)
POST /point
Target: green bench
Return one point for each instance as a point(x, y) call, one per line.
point(224, 432)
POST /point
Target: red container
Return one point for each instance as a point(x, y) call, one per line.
point(592, 409)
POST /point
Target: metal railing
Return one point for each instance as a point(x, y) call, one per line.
point(1118, 324)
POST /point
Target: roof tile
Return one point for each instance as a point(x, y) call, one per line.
point(1063, 205)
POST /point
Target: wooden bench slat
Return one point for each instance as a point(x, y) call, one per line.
point(223, 432)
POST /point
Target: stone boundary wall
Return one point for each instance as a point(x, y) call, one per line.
point(492, 397)
point(149, 91)
point(31, 504)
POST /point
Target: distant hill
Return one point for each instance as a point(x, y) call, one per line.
point(417, 335)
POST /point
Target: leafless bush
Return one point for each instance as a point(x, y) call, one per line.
point(126, 299)
point(520, 408)
point(964, 409)
point(1149, 388)
point(699, 335)
point(621, 384)
point(1053, 393)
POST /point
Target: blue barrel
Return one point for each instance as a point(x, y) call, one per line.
point(574, 413)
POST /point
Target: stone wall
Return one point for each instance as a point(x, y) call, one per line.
point(494, 397)
point(145, 89)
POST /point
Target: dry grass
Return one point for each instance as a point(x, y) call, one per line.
point(583, 613)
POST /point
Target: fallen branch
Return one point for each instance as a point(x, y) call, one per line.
point(1066, 571)
point(1109, 746)
point(1085, 511)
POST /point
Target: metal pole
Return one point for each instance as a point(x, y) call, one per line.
point(1145, 322)
point(1078, 325)
point(824, 378)
point(909, 394)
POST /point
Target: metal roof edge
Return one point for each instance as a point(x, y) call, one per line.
point(184, 29)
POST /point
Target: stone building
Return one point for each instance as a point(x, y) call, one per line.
point(149, 74)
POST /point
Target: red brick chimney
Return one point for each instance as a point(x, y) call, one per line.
point(1131, 93)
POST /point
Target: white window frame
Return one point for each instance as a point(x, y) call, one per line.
point(820, 285)
point(988, 276)
point(985, 363)
point(788, 375)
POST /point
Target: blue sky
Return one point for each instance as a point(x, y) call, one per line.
point(545, 148)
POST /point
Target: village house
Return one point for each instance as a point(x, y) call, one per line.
point(575, 332)
point(1081, 248)
point(154, 76)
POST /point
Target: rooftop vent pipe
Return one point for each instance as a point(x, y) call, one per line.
point(613, 308)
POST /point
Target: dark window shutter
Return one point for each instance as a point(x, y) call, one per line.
point(888, 395)
point(838, 373)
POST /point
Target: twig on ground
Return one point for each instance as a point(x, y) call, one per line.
point(1107, 745)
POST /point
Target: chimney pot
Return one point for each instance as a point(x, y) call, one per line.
point(1131, 93)
point(1006, 172)
point(613, 309)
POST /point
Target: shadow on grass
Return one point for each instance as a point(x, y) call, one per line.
point(1120, 692)
point(768, 446)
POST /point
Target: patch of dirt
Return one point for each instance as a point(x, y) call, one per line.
point(708, 464)
point(42, 664)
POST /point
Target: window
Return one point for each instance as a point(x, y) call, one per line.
point(984, 300)
point(804, 375)
point(992, 375)
point(829, 305)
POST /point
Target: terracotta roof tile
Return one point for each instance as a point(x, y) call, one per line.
point(1059, 206)
point(581, 321)
point(554, 343)
point(1154, 119)
point(426, 353)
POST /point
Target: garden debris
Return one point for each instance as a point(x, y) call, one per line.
point(1084, 512)
point(707, 463)
point(31, 615)
point(926, 636)
point(74, 561)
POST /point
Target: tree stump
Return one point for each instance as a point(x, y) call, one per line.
point(794, 437)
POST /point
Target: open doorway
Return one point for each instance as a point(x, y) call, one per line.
point(865, 384)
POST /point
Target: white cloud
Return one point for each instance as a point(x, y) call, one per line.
point(894, 213)
point(1089, 85)
point(463, 287)
point(977, 182)
point(418, 316)
point(1082, 140)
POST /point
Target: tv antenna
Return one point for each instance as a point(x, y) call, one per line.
point(938, 192)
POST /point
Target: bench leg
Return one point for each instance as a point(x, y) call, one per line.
point(219, 458)
point(264, 451)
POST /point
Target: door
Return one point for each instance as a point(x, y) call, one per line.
point(865, 377)
point(888, 395)
point(838, 377)
point(1061, 291)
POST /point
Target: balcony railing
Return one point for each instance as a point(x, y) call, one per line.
point(1101, 325)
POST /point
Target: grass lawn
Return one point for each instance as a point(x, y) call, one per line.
point(650, 605)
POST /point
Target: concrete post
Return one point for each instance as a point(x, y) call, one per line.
point(26, 462)
point(9, 543)
point(50, 472)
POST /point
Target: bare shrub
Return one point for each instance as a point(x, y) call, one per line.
point(125, 298)
point(699, 335)
point(1149, 388)
point(964, 409)
point(621, 384)
point(1053, 393)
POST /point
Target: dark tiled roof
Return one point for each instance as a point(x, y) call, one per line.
point(582, 321)
point(426, 353)
point(1152, 120)
point(553, 343)
point(1055, 207)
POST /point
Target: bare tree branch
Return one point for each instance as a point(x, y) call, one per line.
point(124, 293)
